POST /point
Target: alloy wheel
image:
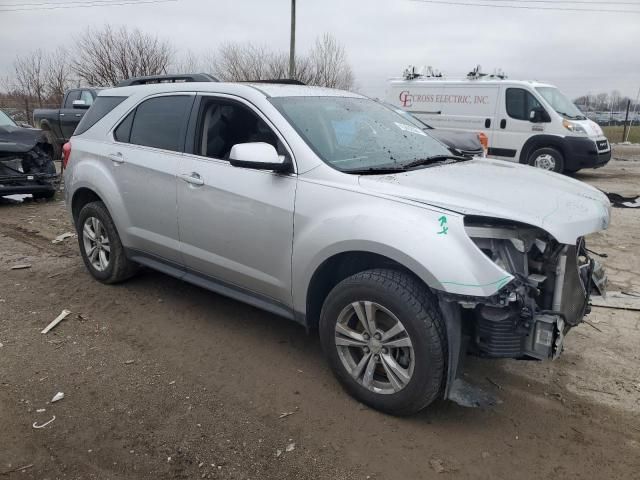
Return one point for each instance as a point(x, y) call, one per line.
point(96, 243)
point(374, 347)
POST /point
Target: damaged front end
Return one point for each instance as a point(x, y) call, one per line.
point(26, 164)
point(530, 316)
point(548, 296)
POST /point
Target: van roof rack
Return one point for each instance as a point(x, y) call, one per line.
point(411, 73)
point(477, 74)
point(186, 77)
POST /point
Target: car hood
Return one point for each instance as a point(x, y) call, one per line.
point(565, 208)
point(19, 140)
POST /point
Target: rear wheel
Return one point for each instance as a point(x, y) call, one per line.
point(383, 335)
point(547, 158)
point(100, 245)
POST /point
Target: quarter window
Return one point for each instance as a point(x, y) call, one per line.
point(159, 122)
point(223, 124)
point(86, 97)
point(520, 103)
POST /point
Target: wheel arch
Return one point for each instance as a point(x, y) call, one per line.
point(542, 141)
point(81, 197)
point(338, 267)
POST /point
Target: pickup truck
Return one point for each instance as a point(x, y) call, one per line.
point(59, 124)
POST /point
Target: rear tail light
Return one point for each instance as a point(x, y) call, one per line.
point(484, 141)
point(66, 152)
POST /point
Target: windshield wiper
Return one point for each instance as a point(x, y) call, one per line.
point(572, 117)
point(375, 170)
point(434, 159)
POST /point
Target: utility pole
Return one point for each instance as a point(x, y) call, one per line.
point(292, 46)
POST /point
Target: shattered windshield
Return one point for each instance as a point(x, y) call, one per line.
point(5, 120)
point(356, 134)
point(560, 103)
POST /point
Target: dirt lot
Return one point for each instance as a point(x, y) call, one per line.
point(166, 380)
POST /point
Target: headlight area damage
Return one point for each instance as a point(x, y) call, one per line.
point(26, 165)
point(530, 316)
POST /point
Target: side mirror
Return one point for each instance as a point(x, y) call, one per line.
point(257, 155)
point(539, 115)
point(81, 104)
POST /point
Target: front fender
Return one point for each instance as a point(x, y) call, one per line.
point(430, 242)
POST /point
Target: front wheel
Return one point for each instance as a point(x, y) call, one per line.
point(547, 158)
point(384, 337)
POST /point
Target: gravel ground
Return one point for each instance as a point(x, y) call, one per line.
point(166, 380)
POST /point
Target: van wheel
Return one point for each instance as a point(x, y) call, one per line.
point(547, 158)
point(384, 338)
point(100, 245)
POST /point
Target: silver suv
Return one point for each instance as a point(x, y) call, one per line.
point(332, 210)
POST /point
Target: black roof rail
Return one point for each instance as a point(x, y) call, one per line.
point(185, 77)
point(283, 81)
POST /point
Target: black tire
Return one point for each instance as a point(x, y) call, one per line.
point(45, 195)
point(557, 156)
point(417, 309)
point(119, 267)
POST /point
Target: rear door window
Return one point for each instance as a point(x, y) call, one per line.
point(71, 96)
point(161, 122)
point(520, 102)
point(99, 109)
point(87, 97)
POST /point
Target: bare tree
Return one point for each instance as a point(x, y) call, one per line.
point(30, 84)
point(107, 56)
point(57, 75)
point(330, 64)
point(325, 65)
point(187, 62)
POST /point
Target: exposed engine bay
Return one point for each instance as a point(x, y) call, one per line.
point(26, 163)
point(549, 295)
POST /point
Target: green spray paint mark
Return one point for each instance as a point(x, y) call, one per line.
point(443, 225)
point(498, 283)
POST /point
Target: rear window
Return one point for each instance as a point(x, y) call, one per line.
point(161, 122)
point(101, 106)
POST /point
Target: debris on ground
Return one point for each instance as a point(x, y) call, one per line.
point(290, 448)
point(129, 362)
point(618, 300)
point(278, 452)
point(21, 266)
point(437, 465)
point(57, 397)
point(62, 237)
point(17, 469)
point(286, 414)
point(620, 201)
point(35, 424)
point(56, 321)
point(40, 410)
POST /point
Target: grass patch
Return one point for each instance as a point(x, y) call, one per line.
point(614, 134)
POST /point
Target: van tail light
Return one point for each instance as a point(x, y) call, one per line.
point(484, 141)
point(66, 153)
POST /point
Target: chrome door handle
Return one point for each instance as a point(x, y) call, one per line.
point(78, 114)
point(62, 114)
point(116, 157)
point(193, 178)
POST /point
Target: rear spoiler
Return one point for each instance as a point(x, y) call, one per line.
point(187, 77)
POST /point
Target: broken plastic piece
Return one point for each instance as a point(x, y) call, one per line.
point(58, 396)
point(21, 266)
point(63, 237)
point(35, 424)
point(56, 321)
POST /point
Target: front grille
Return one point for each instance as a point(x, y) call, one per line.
point(603, 145)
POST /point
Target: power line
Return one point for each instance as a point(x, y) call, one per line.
point(527, 7)
point(582, 2)
point(90, 3)
point(61, 3)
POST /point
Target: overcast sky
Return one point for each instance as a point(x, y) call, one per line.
point(579, 52)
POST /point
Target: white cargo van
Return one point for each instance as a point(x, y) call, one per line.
point(526, 121)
